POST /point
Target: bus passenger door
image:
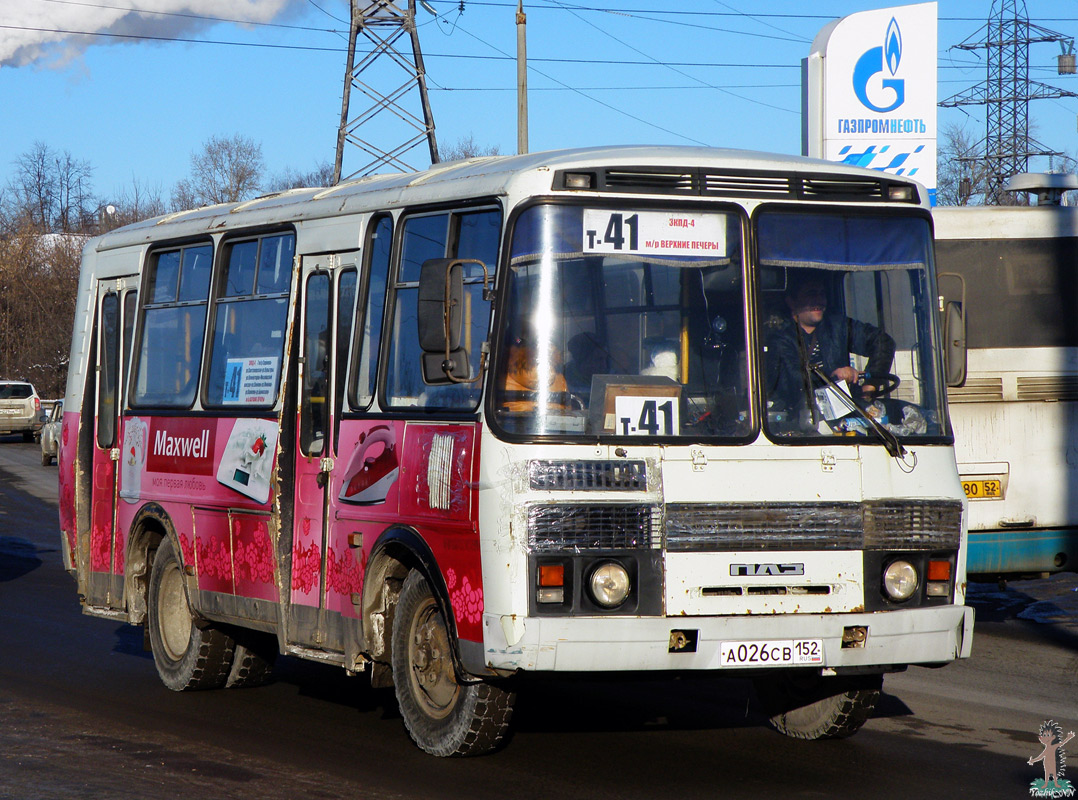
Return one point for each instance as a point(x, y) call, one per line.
point(116, 304)
point(328, 298)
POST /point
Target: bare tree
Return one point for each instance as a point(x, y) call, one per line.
point(289, 178)
point(135, 203)
point(961, 173)
point(52, 192)
point(227, 169)
point(466, 147)
point(39, 276)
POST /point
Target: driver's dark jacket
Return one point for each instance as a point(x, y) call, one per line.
point(837, 337)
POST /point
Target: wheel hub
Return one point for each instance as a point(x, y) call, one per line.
point(432, 669)
point(173, 616)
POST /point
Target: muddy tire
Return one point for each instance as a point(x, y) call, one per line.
point(46, 459)
point(443, 717)
point(189, 653)
point(814, 707)
point(252, 664)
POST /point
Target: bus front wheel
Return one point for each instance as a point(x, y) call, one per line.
point(444, 717)
point(816, 707)
point(188, 654)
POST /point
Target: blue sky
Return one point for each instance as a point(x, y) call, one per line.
point(717, 72)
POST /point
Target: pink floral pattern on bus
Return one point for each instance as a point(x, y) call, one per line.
point(214, 559)
point(252, 553)
point(344, 574)
point(467, 600)
point(118, 554)
point(306, 566)
point(65, 468)
point(100, 548)
point(187, 548)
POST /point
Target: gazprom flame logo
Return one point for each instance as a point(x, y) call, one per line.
point(874, 61)
point(893, 47)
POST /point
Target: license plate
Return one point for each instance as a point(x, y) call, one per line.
point(981, 489)
point(9, 411)
point(771, 653)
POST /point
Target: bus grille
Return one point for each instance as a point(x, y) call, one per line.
point(580, 476)
point(842, 189)
point(876, 525)
point(1047, 387)
point(700, 181)
point(607, 526)
point(977, 390)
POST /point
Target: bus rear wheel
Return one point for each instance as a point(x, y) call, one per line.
point(443, 717)
point(815, 707)
point(188, 654)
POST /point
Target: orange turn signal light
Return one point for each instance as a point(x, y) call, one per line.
point(551, 574)
point(939, 570)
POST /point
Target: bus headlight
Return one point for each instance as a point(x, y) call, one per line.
point(609, 584)
point(900, 580)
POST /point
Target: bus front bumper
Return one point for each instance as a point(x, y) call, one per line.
point(892, 639)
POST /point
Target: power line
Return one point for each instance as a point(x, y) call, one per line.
point(465, 56)
point(694, 87)
point(179, 39)
point(338, 19)
point(678, 71)
point(757, 18)
point(596, 100)
point(199, 17)
point(621, 10)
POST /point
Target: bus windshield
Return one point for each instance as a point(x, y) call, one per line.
point(624, 322)
point(845, 325)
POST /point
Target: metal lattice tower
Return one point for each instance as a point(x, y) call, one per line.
point(1006, 93)
point(384, 24)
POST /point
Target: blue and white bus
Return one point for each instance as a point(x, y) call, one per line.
point(1012, 272)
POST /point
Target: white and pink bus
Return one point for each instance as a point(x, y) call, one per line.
point(525, 414)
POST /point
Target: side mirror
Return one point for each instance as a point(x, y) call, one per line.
point(953, 325)
point(440, 317)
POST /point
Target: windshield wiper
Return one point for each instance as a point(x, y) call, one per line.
point(890, 441)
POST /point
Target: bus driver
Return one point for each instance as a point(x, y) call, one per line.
point(814, 338)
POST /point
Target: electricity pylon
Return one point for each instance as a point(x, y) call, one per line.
point(1006, 92)
point(384, 24)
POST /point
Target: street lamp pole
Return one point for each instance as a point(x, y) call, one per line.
point(522, 80)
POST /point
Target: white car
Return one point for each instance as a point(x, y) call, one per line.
point(50, 433)
point(20, 409)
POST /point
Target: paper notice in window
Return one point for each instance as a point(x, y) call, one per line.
point(830, 403)
point(656, 233)
point(251, 381)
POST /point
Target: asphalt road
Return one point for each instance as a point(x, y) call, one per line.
point(83, 714)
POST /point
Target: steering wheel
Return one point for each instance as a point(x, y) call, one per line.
point(885, 382)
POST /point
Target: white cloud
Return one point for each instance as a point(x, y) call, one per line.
point(52, 32)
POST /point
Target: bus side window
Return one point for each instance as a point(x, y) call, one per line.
point(471, 234)
point(109, 358)
point(369, 331)
point(343, 316)
point(250, 316)
point(169, 354)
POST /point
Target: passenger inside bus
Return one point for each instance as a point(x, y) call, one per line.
point(523, 379)
point(662, 359)
point(814, 338)
point(587, 358)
